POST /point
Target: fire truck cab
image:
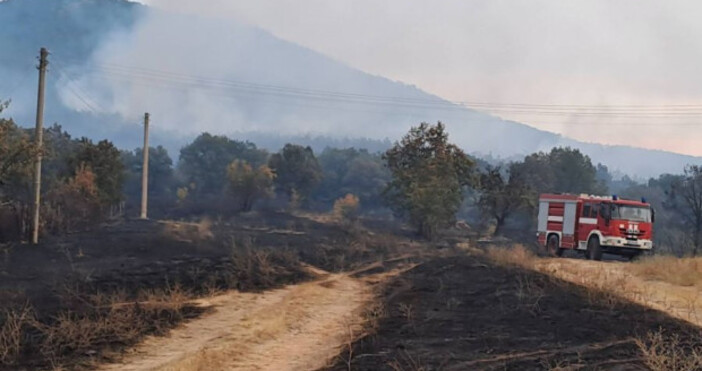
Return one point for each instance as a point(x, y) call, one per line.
point(595, 225)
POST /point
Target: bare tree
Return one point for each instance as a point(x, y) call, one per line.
point(685, 198)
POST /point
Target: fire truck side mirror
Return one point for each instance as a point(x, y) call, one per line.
point(653, 215)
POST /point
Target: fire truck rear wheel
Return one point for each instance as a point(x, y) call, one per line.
point(594, 250)
point(553, 246)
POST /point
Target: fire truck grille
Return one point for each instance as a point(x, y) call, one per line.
point(631, 234)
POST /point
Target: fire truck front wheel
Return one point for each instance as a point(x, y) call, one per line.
point(553, 246)
point(594, 250)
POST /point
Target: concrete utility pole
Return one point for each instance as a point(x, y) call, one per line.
point(39, 143)
point(145, 169)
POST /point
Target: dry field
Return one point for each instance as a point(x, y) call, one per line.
point(666, 283)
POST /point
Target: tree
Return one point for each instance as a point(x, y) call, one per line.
point(500, 198)
point(73, 204)
point(297, 171)
point(161, 175)
point(204, 162)
point(563, 170)
point(248, 184)
point(685, 199)
point(352, 171)
point(428, 177)
point(16, 157)
point(535, 172)
point(574, 172)
point(104, 160)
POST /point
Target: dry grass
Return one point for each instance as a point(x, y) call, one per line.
point(189, 231)
point(604, 288)
point(11, 332)
point(677, 271)
point(90, 329)
point(407, 362)
point(517, 255)
point(663, 352)
point(530, 291)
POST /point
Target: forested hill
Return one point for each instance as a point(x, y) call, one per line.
point(112, 60)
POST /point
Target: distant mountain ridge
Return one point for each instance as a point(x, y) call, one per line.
point(80, 33)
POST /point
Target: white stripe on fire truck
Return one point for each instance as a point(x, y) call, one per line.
point(588, 220)
point(555, 218)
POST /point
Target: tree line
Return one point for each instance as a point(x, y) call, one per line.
point(423, 179)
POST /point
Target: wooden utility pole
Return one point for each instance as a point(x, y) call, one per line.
point(145, 169)
point(39, 143)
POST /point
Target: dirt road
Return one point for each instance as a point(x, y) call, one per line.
point(299, 327)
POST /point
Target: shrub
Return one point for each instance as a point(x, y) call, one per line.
point(346, 208)
point(74, 204)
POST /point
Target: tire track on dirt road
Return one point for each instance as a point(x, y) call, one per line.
point(298, 327)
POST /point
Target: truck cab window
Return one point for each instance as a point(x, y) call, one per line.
point(605, 210)
point(586, 210)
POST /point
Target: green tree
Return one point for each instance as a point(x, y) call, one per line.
point(104, 160)
point(249, 184)
point(161, 175)
point(16, 155)
point(16, 158)
point(352, 171)
point(563, 170)
point(297, 171)
point(204, 162)
point(574, 172)
point(428, 177)
point(499, 197)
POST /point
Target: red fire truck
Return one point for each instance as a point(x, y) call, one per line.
point(594, 225)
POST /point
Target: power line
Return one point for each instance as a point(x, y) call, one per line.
point(172, 82)
point(75, 92)
point(116, 69)
point(237, 88)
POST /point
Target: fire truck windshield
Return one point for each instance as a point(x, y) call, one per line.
point(632, 213)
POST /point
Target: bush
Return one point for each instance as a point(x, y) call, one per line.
point(73, 205)
point(346, 208)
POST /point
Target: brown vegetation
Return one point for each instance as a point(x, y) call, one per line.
point(90, 328)
point(662, 352)
point(677, 271)
point(346, 208)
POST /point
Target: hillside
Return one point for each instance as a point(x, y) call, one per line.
point(113, 60)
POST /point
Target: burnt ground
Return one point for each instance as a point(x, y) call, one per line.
point(135, 254)
point(131, 258)
point(465, 313)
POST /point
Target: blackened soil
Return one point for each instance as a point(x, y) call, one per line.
point(465, 313)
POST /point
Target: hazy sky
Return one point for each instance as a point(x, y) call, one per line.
point(606, 55)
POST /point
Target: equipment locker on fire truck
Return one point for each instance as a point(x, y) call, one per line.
point(594, 224)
